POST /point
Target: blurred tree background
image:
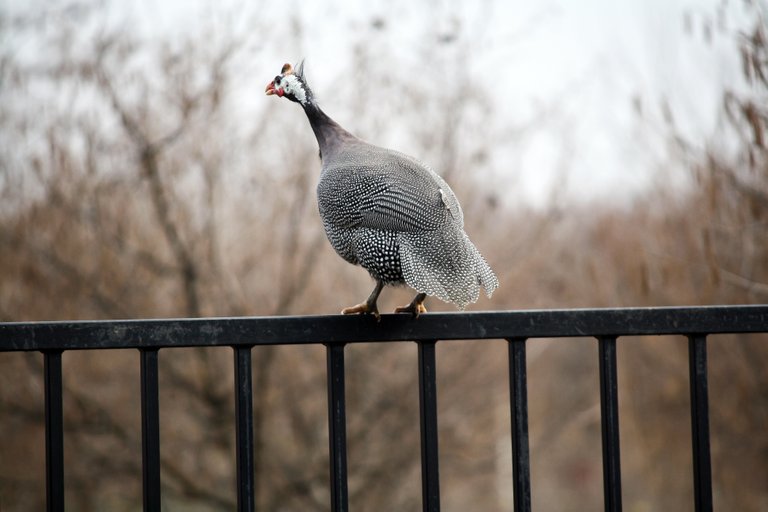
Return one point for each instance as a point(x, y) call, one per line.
point(145, 175)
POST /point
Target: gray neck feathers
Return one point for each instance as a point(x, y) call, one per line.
point(331, 137)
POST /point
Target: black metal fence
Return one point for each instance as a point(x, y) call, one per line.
point(242, 334)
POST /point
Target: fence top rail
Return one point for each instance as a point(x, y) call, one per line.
point(287, 330)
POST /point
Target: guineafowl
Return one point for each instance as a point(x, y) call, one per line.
point(389, 213)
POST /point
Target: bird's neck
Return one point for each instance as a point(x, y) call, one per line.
point(330, 135)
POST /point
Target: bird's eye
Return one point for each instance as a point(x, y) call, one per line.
point(277, 79)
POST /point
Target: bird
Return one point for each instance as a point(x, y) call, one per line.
point(388, 213)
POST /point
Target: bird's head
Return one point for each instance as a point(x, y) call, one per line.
point(290, 83)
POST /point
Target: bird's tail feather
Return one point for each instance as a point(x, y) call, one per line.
point(447, 267)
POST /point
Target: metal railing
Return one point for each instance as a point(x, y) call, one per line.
point(242, 334)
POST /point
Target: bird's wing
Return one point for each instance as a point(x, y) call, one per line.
point(397, 194)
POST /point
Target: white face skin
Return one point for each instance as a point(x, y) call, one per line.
point(289, 84)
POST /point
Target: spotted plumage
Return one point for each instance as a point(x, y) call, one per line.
point(389, 213)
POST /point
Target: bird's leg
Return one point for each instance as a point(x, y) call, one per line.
point(369, 306)
point(416, 307)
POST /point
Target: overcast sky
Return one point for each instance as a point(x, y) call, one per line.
point(587, 60)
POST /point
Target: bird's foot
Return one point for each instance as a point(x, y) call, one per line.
point(416, 307)
point(364, 308)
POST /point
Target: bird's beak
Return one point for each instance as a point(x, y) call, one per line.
point(270, 90)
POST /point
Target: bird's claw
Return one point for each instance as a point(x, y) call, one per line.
point(415, 308)
point(363, 309)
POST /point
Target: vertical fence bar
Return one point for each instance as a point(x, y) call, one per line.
point(518, 402)
point(702, 469)
point(150, 430)
point(337, 427)
point(430, 478)
point(609, 417)
point(244, 428)
point(54, 432)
